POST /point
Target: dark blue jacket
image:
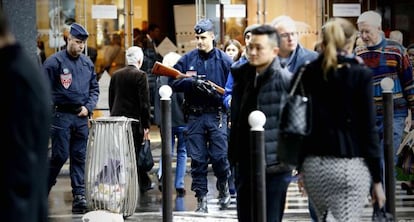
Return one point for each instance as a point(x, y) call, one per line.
point(73, 80)
point(215, 66)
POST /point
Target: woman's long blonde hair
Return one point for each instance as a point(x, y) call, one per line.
point(338, 36)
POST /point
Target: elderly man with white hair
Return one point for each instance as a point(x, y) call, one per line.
point(129, 97)
point(387, 58)
point(291, 54)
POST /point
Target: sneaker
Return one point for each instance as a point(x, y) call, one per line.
point(180, 192)
point(79, 204)
point(232, 193)
point(202, 205)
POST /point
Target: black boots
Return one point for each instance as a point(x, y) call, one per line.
point(79, 204)
point(202, 205)
point(224, 195)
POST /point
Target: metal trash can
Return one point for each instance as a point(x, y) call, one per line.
point(111, 180)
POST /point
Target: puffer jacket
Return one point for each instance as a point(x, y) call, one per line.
point(265, 92)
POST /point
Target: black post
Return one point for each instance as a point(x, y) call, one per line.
point(387, 85)
point(258, 166)
point(167, 186)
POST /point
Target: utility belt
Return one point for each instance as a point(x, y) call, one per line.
point(198, 110)
point(68, 108)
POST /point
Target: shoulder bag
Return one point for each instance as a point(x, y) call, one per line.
point(294, 123)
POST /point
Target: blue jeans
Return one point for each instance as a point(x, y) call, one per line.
point(398, 130)
point(178, 133)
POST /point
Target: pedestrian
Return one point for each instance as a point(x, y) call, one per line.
point(178, 130)
point(259, 84)
point(114, 55)
point(243, 59)
point(233, 48)
point(75, 92)
point(387, 58)
point(292, 55)
point(227, 100)
point(149, 44)
point(25, 123)
point(206, 118)
point(408, 179)
point(341, 157)
point(128, 96)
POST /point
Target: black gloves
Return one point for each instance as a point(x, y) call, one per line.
point(203, 87)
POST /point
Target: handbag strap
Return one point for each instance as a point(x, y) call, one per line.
point(297, 80)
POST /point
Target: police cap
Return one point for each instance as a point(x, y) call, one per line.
point(204, 25)
point(78, 31)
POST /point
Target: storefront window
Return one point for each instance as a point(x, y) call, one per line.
point(55, 16)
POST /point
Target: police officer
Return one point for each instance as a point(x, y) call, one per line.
point(75, 93)
point(206, 118)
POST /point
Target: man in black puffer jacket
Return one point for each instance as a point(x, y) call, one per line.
point(261, 84)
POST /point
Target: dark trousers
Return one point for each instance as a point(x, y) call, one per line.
point(69, 134)
point(276, 190)
point(207, 143)
point(144, 180)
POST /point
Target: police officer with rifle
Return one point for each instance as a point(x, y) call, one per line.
point(206, 117)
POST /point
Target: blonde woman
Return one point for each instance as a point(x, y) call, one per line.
point(341, 158)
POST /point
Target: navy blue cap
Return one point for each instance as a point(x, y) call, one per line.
point(204, 25)
point(78, 31)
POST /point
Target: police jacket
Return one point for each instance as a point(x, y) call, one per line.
point(213, 66)
point(73, 80)
point(343, 113)
point(264, 92)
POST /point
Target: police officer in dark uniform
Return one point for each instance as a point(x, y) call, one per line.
point(75, 93)
point(206, 117)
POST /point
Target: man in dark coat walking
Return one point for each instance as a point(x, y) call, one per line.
point(129, 97)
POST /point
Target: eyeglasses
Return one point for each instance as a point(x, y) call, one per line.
point(288, 34)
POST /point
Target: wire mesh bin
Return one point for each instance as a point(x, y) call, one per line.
point(111, 179)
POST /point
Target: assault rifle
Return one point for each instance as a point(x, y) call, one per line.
point(163, 70)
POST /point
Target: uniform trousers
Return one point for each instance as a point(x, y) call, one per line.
point(69, 135)
point(207, 143)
